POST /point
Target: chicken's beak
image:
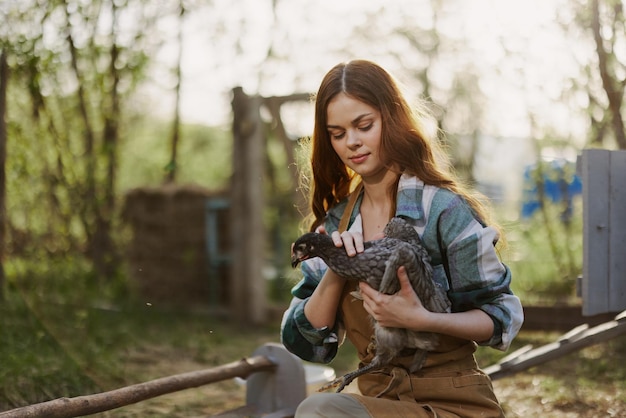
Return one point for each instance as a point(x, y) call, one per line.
point(295, 260)
point(297, 256)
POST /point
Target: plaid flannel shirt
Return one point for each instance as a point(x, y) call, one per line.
point(476, 277)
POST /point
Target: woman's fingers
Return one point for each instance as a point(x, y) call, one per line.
point(351, 241)
point(321, 229)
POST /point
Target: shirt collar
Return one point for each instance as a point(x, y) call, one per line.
point(408, 203)
point(409, 197)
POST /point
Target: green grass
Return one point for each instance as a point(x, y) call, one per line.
point(64, 335)
point(35, 366)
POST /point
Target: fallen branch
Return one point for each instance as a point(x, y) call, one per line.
point(99, 402)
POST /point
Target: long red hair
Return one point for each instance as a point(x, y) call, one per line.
point(405, 147)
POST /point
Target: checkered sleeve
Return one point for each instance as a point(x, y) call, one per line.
point(478, 279)
point(317, 345)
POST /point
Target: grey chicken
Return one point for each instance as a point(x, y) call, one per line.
point(378, 265)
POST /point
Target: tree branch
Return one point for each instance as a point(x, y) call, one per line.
point(99, 402)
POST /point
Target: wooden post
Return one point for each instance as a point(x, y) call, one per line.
point(604, 231)
point(248, 289)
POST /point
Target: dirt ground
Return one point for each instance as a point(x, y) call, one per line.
point(522, 396)
point(556, 389)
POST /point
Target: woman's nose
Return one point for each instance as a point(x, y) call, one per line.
point(353, 140)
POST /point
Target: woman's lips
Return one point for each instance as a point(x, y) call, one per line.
point(358, 159)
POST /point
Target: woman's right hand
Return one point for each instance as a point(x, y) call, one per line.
point(351, 241)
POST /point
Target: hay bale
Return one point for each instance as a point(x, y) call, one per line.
point(167, 256)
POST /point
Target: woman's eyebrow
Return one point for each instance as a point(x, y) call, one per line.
point(354, 122)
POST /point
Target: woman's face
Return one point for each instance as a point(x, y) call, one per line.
point(355, 129)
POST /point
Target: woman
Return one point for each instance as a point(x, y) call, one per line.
point(366, 134)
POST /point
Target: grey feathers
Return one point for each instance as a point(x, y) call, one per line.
point(378, 265)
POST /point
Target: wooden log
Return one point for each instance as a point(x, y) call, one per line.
point(99, 402)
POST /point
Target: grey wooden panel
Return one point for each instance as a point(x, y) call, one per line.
point(617, 232)
point(595, 179)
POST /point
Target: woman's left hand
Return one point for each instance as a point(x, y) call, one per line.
point(400, 310)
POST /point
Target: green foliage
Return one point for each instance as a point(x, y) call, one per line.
point(73, 67)
point(546, 271)
point(205, 155)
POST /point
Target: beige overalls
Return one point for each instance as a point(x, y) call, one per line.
point(449, 385)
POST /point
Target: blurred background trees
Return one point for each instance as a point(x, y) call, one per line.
point(73, 66)
point(101, 97)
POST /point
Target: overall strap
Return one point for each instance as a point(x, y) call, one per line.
point(347, 213)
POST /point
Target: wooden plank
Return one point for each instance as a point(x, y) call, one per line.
point(576, 341)
point(574, 333)
point(595, 179)
point(617, 232)
point(512, 357)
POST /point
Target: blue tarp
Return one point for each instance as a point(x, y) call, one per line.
point(560, 184)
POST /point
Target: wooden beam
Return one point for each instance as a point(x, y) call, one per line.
point(296, 97)
point(560, 318)
point(577, 339)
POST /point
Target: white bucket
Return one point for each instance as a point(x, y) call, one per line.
point(315, 375)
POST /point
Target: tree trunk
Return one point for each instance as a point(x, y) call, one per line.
point(98, 196)
point(102, 247)
point(613, 88)
point(4, 78)
point(172, 167)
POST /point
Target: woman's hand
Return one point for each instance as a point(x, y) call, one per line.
point(351, 241)
point(405, 310)
point(401, 310)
